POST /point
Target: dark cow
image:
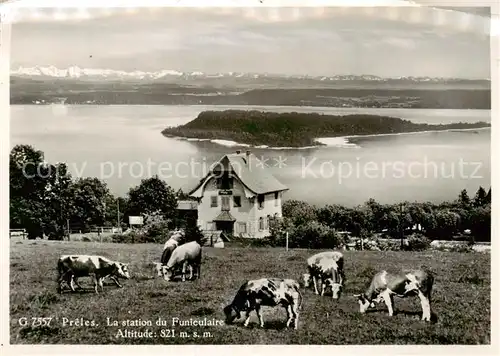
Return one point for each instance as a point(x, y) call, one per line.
point(266, 292)
point(71, 267)
point(384, 286)
point(169, 247)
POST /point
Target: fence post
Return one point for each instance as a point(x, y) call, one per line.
point(287, 241)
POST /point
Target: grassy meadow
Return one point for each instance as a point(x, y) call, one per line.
point(460, 301)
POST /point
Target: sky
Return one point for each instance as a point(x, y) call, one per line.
point(384, 41)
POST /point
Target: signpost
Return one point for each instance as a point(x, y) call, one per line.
point(135, 220)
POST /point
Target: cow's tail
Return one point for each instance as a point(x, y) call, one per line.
point(60, 275)
point(60, 269)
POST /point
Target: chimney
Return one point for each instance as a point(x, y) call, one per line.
point(238, 152)
point(248, 158)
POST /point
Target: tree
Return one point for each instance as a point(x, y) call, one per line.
point(150, 196)
point(378, 211)
point(464, 200)
point(27, 182)
point(480, 198)
point(360, 221)
point(58, 201)
point(182, 196)
point(446, 225)
point(298, 211)
point(488, 196)
point(335, 216)
point(89, 202)
point(116, 208)
point(391, 222)
point(481, 223)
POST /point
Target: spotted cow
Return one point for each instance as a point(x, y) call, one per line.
point(266, 292)
point(384, 286)
point(71, 267)
point(328, 267)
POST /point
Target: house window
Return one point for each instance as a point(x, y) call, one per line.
point(225, 203)
point(261, 223)
point(225, 182)
point(276, 197)
point(213, 201)
point(237, 201)
point(260, 201)
point(242, 227)
point(268, 222)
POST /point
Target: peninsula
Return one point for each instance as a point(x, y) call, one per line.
point(294, 129)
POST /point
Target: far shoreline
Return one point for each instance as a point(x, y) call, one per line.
point(320, 140)
point(256, 106)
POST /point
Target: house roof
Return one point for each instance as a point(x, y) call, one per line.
point(225, 216)
point(252, 172)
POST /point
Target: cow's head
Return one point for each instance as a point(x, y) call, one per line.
point(122, 270)
point(231, 313)
point(306, 280)
point(168, 273)
point(365, 303)
point(335, 287)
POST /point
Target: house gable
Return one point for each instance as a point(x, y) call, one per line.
point(251, 172)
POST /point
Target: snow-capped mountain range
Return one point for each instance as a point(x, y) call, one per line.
point(92, 73)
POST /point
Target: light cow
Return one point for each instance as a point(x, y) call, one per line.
point(328, 267)
point(186, 255)
point(71, 267)
point(266, 292)
point(175, 239)
point(384, 286)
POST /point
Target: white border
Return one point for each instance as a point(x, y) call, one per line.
point(10, 12)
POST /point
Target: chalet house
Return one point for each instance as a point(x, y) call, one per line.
point(238, 196)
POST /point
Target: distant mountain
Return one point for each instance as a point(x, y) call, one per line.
point(75, 72)
point(75, 85)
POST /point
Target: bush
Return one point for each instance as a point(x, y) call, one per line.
point(417, 242)
point(134, 238)
point(156, 228)
point(388, 245)
point(314, 235)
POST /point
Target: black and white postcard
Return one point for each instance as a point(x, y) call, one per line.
point(248, 173)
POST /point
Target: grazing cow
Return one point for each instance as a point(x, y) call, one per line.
point(329, 268)
point(188, 254)
point(175, 239)
point(170, 245)
point(384, 286)
point(167, 252)
point(266, 292)
point(71, 267)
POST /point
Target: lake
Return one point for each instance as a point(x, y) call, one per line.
point(124, 144)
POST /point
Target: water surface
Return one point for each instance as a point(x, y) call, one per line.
point(124, 144)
